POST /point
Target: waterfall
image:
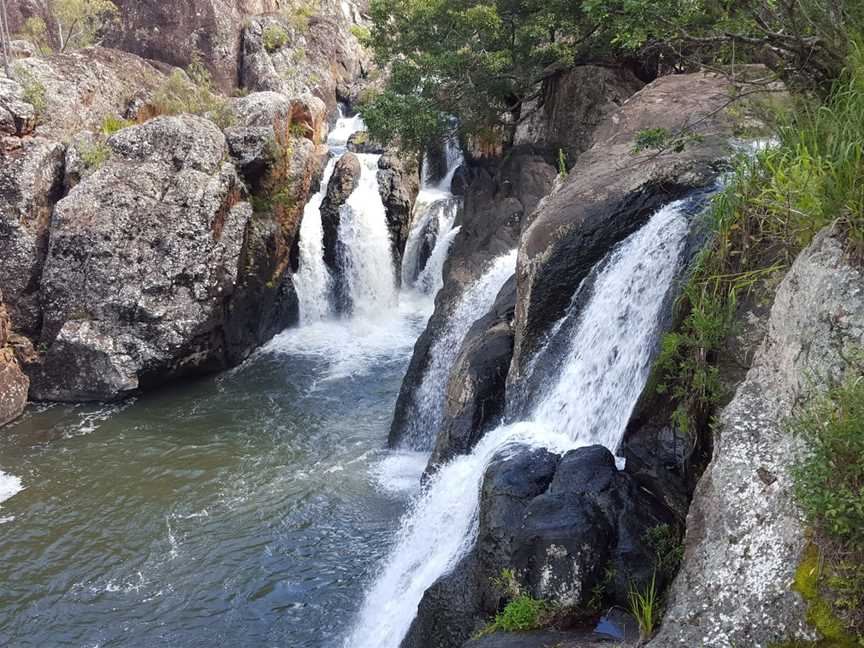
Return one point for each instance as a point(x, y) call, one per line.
point(312, 280)
point(604, 369)
point(435, 212)
point(365, 254)
point(428, 405)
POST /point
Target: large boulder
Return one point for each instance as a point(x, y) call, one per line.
point(31, 182)
point(614, 189)
point(475, 390)
point(572, 105)
point(76, 91)
point(498, 200)
point(17, 116)
point(398, 184)
point(745, 535)
point(13, 382)
point(142, 262)
point(343, 182)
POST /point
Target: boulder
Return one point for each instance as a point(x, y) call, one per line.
point(17, 116)
point(142, 262)
point(571, 107)
point(359, 142)
point(613, 190)
point(13, 382)
point(343, 182)
point(500, 197)
point(475, 390)
point(398, 184)
point(544, 639)
point(745, 535)
point(79, 89)
point(31, 181)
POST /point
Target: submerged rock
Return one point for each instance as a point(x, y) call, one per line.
point(143, 259)
point(745, 535)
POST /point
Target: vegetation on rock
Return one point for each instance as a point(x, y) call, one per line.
point(193, 92)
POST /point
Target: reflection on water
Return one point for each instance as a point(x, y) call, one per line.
point(239, 510)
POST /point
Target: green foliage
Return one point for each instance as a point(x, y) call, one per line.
point(773, 205)
point(654, 138)
point(829, 473)
point(95, 155)
point(193, 93)
point(35, 92)
point(668, 548)
point(361, 34)
point(80, 23)
point(562, 163)
point(112, 124)
point(36, 31)
point(645, 607)
point(521, 614)
point(275, 37)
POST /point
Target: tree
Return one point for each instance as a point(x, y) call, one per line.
point(69, 24)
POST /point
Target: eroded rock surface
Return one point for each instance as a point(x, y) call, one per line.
point(13, 382)
point(744, 533)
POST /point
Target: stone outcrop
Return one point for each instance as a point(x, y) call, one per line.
point(744, 534)
point(398, 184)
point(17, 116)
point(143, 257)
point(343, 182)
point(13, 383)
point(613, 190)
point(498, 200)
point(31, 181)
point(571, 107)
point(475, 391)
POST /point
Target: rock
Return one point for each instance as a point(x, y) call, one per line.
point(359, 142)
point(345, 178)
point(13, 383)
point(612, 191)
point(497, 202)
point(745, 535)
point(31, 181)
point(83, 87)
point(572, 105)
point(398, 184)
point(475, 390)
point(306, 113)
point(17, 115)
point(543, 639)
point(142, 262)
point(84, 154)
point(179, 33)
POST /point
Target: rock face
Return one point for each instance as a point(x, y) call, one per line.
point(498, 200)
point(744, 534)
point(345, 178)
point(612, 191)
point(572, 105)
point(13, 383)
point(475, 392)
point(143, 258)
point(398, 184)
point(31, 181)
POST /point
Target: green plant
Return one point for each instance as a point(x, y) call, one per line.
point(362, 34)
point(95, 155)
point(35, 92)
point(521, 614)
point(112, 124)
point(644, 606)
point(562, 163)
point(275, 37)
point(36, 31)
point(192, 92)
point(80, 23)
point(668, 548)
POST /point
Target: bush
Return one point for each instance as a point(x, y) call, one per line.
point(95, 155)
point(193, 93)
point(521, 614)
point(35, 92)
point(274, 38)
point(112, 124)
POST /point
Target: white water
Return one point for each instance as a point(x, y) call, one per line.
point(10, 485)
point(366, 257)
point(431, 280)
point(590, 401)
point(478, 298)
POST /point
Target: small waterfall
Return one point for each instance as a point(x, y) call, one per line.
point(605, 366)
point(434, 215)
point(365, 247)
point(312, 280)
point(478, 298)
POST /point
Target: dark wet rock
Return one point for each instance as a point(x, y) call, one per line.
point(345, 178)
point(461, 181)
point(745, 535)
point(612, 191)
point(499, 199)
point(398, 184)
point(14, 384)
point(359, 142)
point(31, 181)
point(143, 258)
point(475, 390)
point(449, 612)
point(543, 639)
point(572, 105)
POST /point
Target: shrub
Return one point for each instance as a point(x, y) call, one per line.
point(521, 614)
point(112, 124)
point(668, 548)
point(193, 93)
point(35, 92)
point(275, 37)
point(95, 155)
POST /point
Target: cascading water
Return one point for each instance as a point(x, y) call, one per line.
point(428, 404)
point(604, 370)
point(365, 250)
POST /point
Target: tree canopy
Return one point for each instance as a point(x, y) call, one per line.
point(480, 60)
